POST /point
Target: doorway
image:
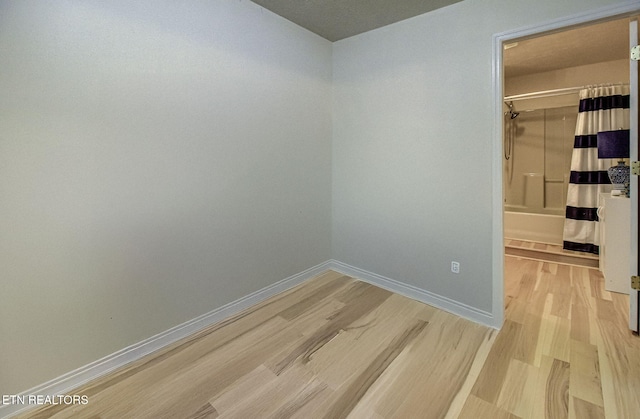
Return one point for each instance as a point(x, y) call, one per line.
point(525, 76)
point(543, 77)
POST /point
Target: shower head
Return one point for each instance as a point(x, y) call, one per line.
point(512, 114)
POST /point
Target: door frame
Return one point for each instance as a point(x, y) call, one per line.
point(633, 123)
point(581, 19)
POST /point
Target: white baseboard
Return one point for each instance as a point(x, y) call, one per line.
point(72, 380)
point(415, 293)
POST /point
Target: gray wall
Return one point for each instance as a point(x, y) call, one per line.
point(157, 161)
point(412, 145)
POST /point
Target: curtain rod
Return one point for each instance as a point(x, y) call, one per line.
point(554, 92)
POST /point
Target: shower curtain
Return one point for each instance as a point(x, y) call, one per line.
point(602, 108)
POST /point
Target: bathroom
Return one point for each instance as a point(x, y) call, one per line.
point(542, 80)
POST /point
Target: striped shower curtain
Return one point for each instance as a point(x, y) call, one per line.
point(602, 108)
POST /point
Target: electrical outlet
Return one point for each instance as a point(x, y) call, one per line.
point(455, 267)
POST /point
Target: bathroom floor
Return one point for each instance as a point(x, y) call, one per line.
point(549, 253)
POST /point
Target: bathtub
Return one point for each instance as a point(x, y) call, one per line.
point(543, 228)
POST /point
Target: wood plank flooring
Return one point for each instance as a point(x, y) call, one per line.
point(336, 347)
point(330, 348)
point(549, 253)
point(565, 350)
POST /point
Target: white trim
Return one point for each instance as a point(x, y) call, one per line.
point(604, 13)
point(72, 380)
point(497, 262)
point(633, 187)
point(415, 293)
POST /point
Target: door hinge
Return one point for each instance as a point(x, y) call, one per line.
point(635, 168)
point(635, 283)
point(635, 53)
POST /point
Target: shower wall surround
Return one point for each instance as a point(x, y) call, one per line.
point(536, 175)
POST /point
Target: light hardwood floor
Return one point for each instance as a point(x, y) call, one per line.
point(549, 253)
point(336, 347)
point(565, 350)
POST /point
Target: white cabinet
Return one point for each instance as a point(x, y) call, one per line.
point(615, 242)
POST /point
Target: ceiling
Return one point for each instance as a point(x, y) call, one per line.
point(339, 19)
point(585, 45)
